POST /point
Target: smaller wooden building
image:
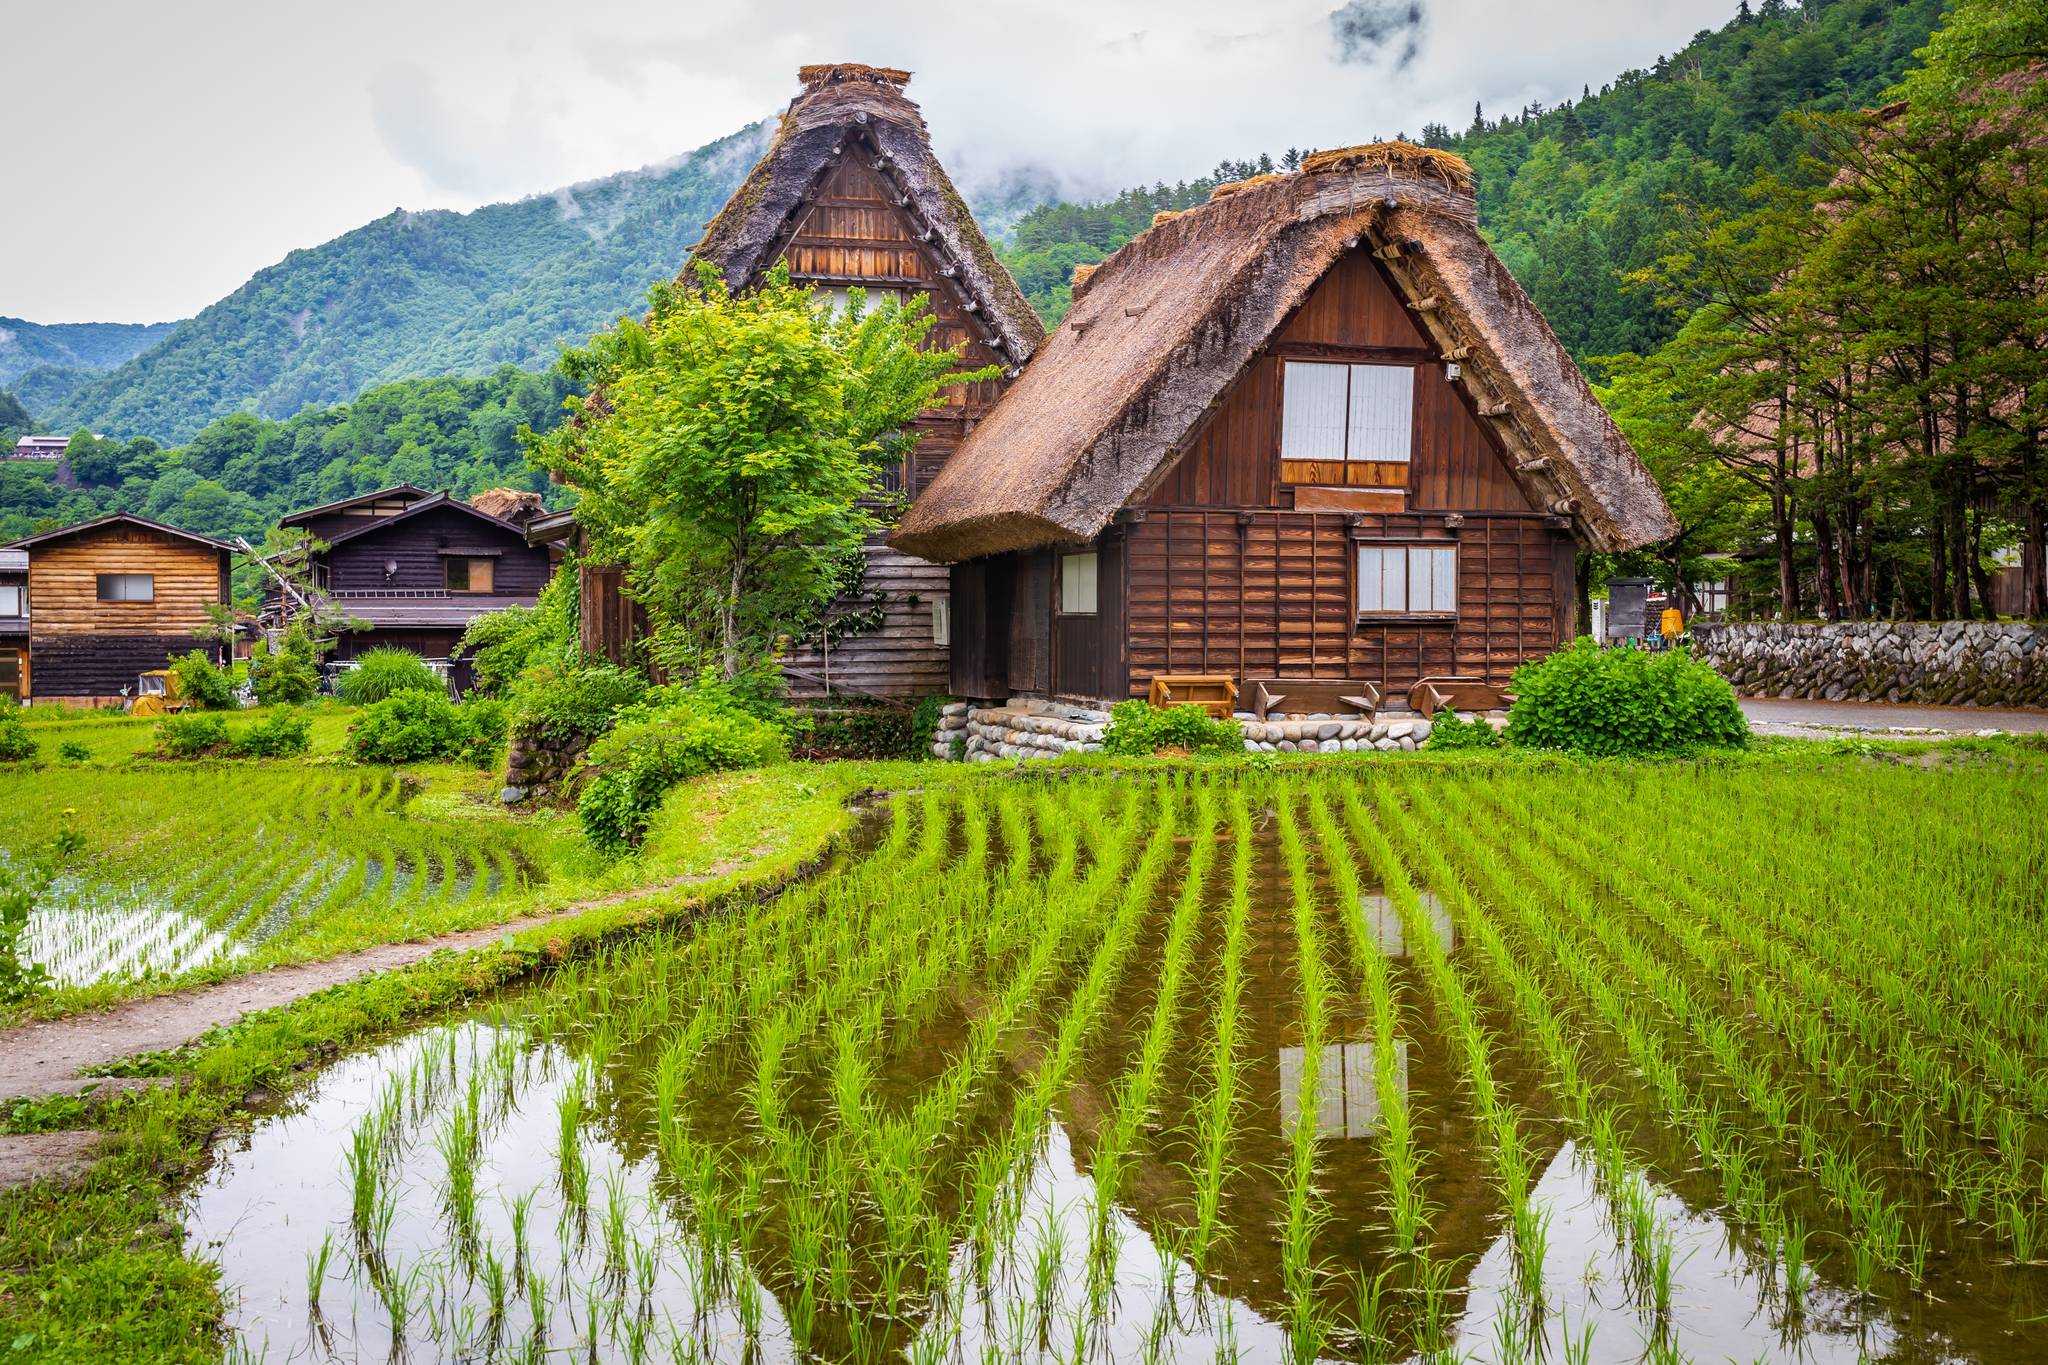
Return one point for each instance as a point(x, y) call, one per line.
point(1311, 430)
point(111, 599)
point(415, 568)
point(14, 624)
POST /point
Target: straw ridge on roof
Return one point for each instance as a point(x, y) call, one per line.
point(1170, 320)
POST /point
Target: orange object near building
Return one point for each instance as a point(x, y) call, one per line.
point(1671, 624)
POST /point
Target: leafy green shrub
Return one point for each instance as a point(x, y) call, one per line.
point(855, 732)
point(501, 645)
point(380, 674)
point(574, 696)
point(288, 675)
point(1136, 727)
point(487, 724)
point(416, 727)
point(1447, 731)
point(924, 725)
point(202, 683)
point(280, 734)
point(74, 751)
point(15, 744)
point(1617, 702)
point(191, 734)
point(637, 763)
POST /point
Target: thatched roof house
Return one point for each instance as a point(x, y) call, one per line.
point(1160, 330)
point(846, 109)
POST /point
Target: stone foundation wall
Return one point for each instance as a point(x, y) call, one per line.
point(537, 768)
point(1953, 663)
point(1028, 728)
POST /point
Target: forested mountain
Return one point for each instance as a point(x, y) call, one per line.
point(240, 473)
point(1575, 198)
point(83, 348)
point(417, 294)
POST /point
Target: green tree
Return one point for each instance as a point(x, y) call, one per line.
point(736, 435)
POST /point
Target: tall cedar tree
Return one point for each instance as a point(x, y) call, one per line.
point(728, 447)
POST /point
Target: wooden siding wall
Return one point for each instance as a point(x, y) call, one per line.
point(899, 659)
point(418, 543)
point(607, 621)
point(1270, 594)
point(64, 586)
point(85, 667)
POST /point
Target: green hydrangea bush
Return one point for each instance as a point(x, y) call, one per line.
point(1617, 703)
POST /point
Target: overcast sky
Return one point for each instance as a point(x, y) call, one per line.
point(181, 147)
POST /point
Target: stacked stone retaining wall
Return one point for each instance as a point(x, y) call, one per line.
point(1030, 728)
point(1952, 663)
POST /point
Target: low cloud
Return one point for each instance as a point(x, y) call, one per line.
point(1365, 30)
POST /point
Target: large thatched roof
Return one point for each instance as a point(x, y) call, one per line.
point(839, 106)
point(1162, 327)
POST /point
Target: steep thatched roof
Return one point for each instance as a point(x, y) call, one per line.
point(839, 105)
point(1162, 327)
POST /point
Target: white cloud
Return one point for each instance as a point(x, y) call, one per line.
point(289, 124)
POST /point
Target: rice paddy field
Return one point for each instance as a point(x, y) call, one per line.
point(1364, 1062)
point(177, 869)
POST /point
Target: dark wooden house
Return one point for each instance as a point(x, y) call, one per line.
point(14, 624)
point(415, 568)
point(850, 194)
point(108, 600)
point(1312, 429)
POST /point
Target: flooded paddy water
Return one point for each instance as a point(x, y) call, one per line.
point(1273, 1071)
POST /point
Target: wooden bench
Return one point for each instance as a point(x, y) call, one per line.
point(1215, 693)
point(1312, 696)
point(1432, 695)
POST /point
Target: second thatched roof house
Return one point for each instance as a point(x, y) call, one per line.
point(850, 194)
point(1311, 430)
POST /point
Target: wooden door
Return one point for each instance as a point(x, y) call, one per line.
point(12, 672)
point(1077, 624)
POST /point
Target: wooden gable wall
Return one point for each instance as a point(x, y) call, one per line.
point(420, 545)
point(1233, 562)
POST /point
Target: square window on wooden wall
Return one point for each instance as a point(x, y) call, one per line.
point(470, 573)
point(127, 587)
point(1079, 590)
point(1407, 580)
point(1347, 412)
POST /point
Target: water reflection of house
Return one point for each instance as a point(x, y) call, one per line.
point(1347, 1094)
point(1383, 918)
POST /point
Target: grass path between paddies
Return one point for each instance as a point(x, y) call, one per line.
point(748, 830)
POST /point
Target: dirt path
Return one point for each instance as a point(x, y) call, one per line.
point(46, 1057)
point(1882, 720)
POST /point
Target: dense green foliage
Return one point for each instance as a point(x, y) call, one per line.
point(381, 673)
point(202, 682)
point(288, 675)
point(241, 473)
point(281, 733)
point(738, 438)
point(571, 697)
point(16, 744)
point(634, 766)
point(191, 734)
point(83, 348)
point(1449, 730)
point(419, 726)
point(414, 294)
point(15, 421)
point(1611, 703)
point(504, 644)
point(1858, 390)
point(1576, 198)
point(1136, 727)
